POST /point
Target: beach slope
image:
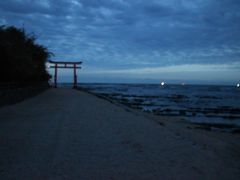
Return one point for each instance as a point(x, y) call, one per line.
point(69, 134)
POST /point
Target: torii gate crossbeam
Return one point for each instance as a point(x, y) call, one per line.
point(63, 65)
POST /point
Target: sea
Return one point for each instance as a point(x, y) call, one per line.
point(213, 105)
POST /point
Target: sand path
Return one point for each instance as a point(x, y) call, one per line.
point(68, 134)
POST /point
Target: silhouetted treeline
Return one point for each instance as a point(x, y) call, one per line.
point(22, 60)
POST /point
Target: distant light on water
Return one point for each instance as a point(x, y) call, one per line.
point(162, 83)
point(183, 84)
point(238, 85)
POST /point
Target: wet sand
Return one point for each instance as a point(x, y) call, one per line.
point(69, 134)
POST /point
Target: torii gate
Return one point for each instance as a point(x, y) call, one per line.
point(64, 65)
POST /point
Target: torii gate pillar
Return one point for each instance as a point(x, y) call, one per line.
point(55, 75)
point(74, 76)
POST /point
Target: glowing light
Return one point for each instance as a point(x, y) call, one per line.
point(48, 65)
point(162, 83)
point(238, 85)
point(183, 84)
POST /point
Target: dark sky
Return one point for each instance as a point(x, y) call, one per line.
point(195, 41)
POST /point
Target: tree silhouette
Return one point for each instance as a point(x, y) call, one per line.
point(22, 60)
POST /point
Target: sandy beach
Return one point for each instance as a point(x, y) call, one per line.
point(70, 134)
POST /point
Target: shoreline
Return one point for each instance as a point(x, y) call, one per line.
point(208, 126)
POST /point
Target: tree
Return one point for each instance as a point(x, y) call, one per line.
point(22, 60)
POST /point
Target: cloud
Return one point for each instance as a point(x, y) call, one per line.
point(123, 34)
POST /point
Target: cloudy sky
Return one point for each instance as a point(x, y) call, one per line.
point(176, 41)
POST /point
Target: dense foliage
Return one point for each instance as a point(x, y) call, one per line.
point(22, 59)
